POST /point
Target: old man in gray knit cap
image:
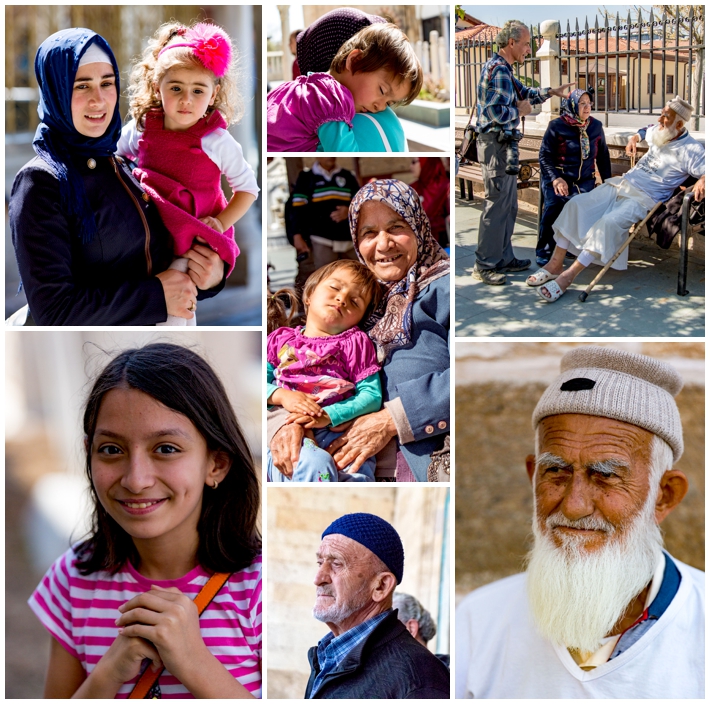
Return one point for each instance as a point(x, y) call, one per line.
point(594, 225)
point(602, 611)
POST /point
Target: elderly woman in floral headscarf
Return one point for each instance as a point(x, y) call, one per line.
point(572, 144)
point(410, 329)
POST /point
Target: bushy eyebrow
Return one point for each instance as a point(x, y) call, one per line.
point(547, 459)
point(609, 466)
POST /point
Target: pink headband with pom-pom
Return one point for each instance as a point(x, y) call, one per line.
point(209, 44)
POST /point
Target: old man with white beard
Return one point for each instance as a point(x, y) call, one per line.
point(602, 611)
point(369, 653)
point(594, 225)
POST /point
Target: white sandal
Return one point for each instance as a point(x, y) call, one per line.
point(553, 290)
point(540, 277)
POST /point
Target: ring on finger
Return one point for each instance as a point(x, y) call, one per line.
point(193, 306)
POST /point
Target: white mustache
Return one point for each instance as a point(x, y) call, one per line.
point(559, 520)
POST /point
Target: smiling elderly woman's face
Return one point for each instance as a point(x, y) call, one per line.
point(386, 242)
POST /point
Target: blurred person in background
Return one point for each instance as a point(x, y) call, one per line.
point(432, 184)
point(416, 619)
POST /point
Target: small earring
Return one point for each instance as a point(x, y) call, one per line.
point(216, 483)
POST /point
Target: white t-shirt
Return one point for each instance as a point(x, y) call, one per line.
point(663, 169)
point(500, 654)
point(219, 146)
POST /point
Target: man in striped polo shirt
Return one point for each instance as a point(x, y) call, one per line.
point(320, 200)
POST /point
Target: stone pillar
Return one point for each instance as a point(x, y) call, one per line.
point(425, 58)
point(549, 57)
point(286, 57)
point(434, 51)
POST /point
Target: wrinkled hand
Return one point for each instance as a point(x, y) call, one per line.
point(179, 291)
point(300, 244)
point(296, 402)
point(169, 620)
point(340, 213)
point(563, 90)
point(634, 139)
point(205, 268)
point(214, 223)
point(560, 187)
point(524, 108)
point(362, 439)
point(308, 421)
point(286, 447)
point(699, 188)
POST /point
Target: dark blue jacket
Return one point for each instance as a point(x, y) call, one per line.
point(108, 281)
point(419, 376)
point(388, 664)
point(561, 154)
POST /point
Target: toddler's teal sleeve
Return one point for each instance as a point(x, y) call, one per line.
point(366, 399)
point(270, 386)
point(336, 136)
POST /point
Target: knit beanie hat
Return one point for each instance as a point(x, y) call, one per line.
point(625, 386)
point(681, 107)
point(378, 536)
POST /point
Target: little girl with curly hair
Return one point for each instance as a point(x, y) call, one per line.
point(183, 96)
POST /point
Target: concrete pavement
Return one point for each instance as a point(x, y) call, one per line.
point(639, 302)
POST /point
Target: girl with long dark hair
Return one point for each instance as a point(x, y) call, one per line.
point(176, 498)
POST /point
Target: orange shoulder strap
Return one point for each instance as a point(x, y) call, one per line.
point(202, 601)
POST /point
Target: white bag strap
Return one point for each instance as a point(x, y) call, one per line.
point(380, 130)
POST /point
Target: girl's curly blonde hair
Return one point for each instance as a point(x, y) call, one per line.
point(151, 67)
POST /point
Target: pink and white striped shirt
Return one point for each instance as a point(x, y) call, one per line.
point(80, 610)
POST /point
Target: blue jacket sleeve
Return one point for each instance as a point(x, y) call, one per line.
point(366, 399)
point(426, 401)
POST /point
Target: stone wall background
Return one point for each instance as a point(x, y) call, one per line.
point(497, 388)
point(296, 517)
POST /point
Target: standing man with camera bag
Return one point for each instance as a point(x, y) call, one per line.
point(502, 100)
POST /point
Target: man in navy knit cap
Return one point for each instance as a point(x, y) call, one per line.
point(368, 654)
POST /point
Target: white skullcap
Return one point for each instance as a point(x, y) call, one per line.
point(94, 55)
point(680, 107)
point(625, 386)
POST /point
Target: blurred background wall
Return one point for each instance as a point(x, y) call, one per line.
point(127, 29)
point(47, 377)
point(498, 385)
point(296, 517)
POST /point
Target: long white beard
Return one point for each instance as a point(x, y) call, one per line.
point(577, 597)
point(658, 137)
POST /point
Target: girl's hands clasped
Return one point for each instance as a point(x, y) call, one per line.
point(169, 620)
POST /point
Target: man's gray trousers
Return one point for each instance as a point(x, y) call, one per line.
point(495, 231)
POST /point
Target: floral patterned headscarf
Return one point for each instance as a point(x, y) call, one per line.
point(390, 325)
point(570, 114)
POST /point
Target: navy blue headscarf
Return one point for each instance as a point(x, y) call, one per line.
point(56, 139)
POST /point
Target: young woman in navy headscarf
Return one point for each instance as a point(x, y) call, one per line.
point(90, 247)
point(572, 144)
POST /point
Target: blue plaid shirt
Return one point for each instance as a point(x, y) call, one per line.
point(496, 97)
point(332, 650)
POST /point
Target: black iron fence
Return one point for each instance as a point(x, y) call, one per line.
point(629, 66)
point(471, 54)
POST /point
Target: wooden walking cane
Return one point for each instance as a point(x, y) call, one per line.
point(634, 230)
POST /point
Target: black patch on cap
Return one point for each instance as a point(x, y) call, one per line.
point(578, 384)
